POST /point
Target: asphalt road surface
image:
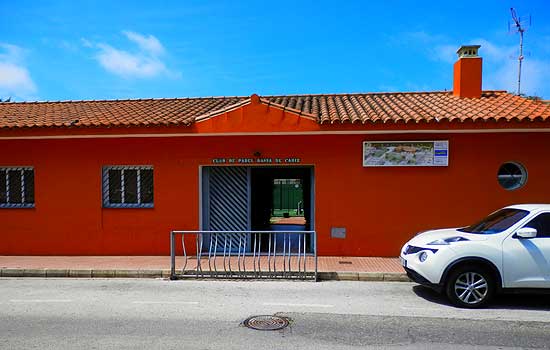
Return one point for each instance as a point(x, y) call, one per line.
point(160, 314)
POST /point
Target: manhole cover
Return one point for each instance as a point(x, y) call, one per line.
point(266, 322)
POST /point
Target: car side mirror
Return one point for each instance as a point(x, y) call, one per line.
point(526, 232)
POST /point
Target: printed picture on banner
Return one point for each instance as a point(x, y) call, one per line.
point(398, 153)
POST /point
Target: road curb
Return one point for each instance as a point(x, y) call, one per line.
point(158, 273)
point(83, 273)
point(364, 276)
point(80, 273)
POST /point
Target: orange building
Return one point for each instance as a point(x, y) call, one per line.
point(114, 177)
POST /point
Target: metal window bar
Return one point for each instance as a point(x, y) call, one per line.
point(107, 201)
point(8, 186)
point(139, 186)
point(106, 185)
point(22, 174)
point(296, 257)
point(122, 187)
point(9, 198)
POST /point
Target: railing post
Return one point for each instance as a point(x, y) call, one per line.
point(315, 252)
point(172, 255)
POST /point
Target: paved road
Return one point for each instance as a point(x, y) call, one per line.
point(116, 313)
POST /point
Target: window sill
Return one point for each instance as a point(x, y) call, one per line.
point(16, 206)
point(128, 206)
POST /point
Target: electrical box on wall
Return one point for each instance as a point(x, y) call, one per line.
point(337, 232)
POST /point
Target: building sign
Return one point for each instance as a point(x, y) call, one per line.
point(405, 153)
point(290, 160)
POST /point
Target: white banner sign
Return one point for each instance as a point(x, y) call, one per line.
point(405, 153)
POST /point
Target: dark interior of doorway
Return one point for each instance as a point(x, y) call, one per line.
point(265, 182)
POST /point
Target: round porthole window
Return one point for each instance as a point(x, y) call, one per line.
point(512, 175)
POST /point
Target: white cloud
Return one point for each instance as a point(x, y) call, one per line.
point(126, 64)
point(444, 53)
point(143, 62)
point(12, 53)
point(535, 74)
point(500, 69)
point(500, 65)
point(148, 43)
point(15, 79)
point(86, 43)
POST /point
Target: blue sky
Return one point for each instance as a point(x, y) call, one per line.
point(72, 50)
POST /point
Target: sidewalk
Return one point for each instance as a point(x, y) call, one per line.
point(329, 268)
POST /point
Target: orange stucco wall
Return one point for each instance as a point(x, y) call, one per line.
point(380, 207)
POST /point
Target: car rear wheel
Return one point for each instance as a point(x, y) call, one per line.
point(470, 287)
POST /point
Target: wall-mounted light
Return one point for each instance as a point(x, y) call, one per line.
point(257, 154)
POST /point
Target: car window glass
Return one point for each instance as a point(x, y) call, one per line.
point(542, 224)
point(497, 222)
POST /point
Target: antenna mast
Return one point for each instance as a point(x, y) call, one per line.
point(519, 28)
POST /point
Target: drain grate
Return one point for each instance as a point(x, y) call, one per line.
point(266, 322)
point(345, 262)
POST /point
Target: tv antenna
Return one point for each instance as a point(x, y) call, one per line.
point(519, 27)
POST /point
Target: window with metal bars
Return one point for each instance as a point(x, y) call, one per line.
point(16, 187)
point(128, 186)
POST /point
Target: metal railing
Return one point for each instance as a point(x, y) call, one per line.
point(245, 254)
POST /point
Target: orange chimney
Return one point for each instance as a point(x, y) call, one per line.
point(467, 72)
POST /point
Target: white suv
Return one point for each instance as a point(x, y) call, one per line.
point(507, 251)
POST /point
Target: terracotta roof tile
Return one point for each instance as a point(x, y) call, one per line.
point(411, 107)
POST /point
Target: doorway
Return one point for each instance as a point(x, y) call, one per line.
point(257, 199)
point(281, 197)
point(281, 201)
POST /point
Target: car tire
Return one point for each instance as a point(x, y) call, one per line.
point(470, 286)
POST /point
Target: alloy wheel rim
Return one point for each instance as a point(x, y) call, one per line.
point(471, 288)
